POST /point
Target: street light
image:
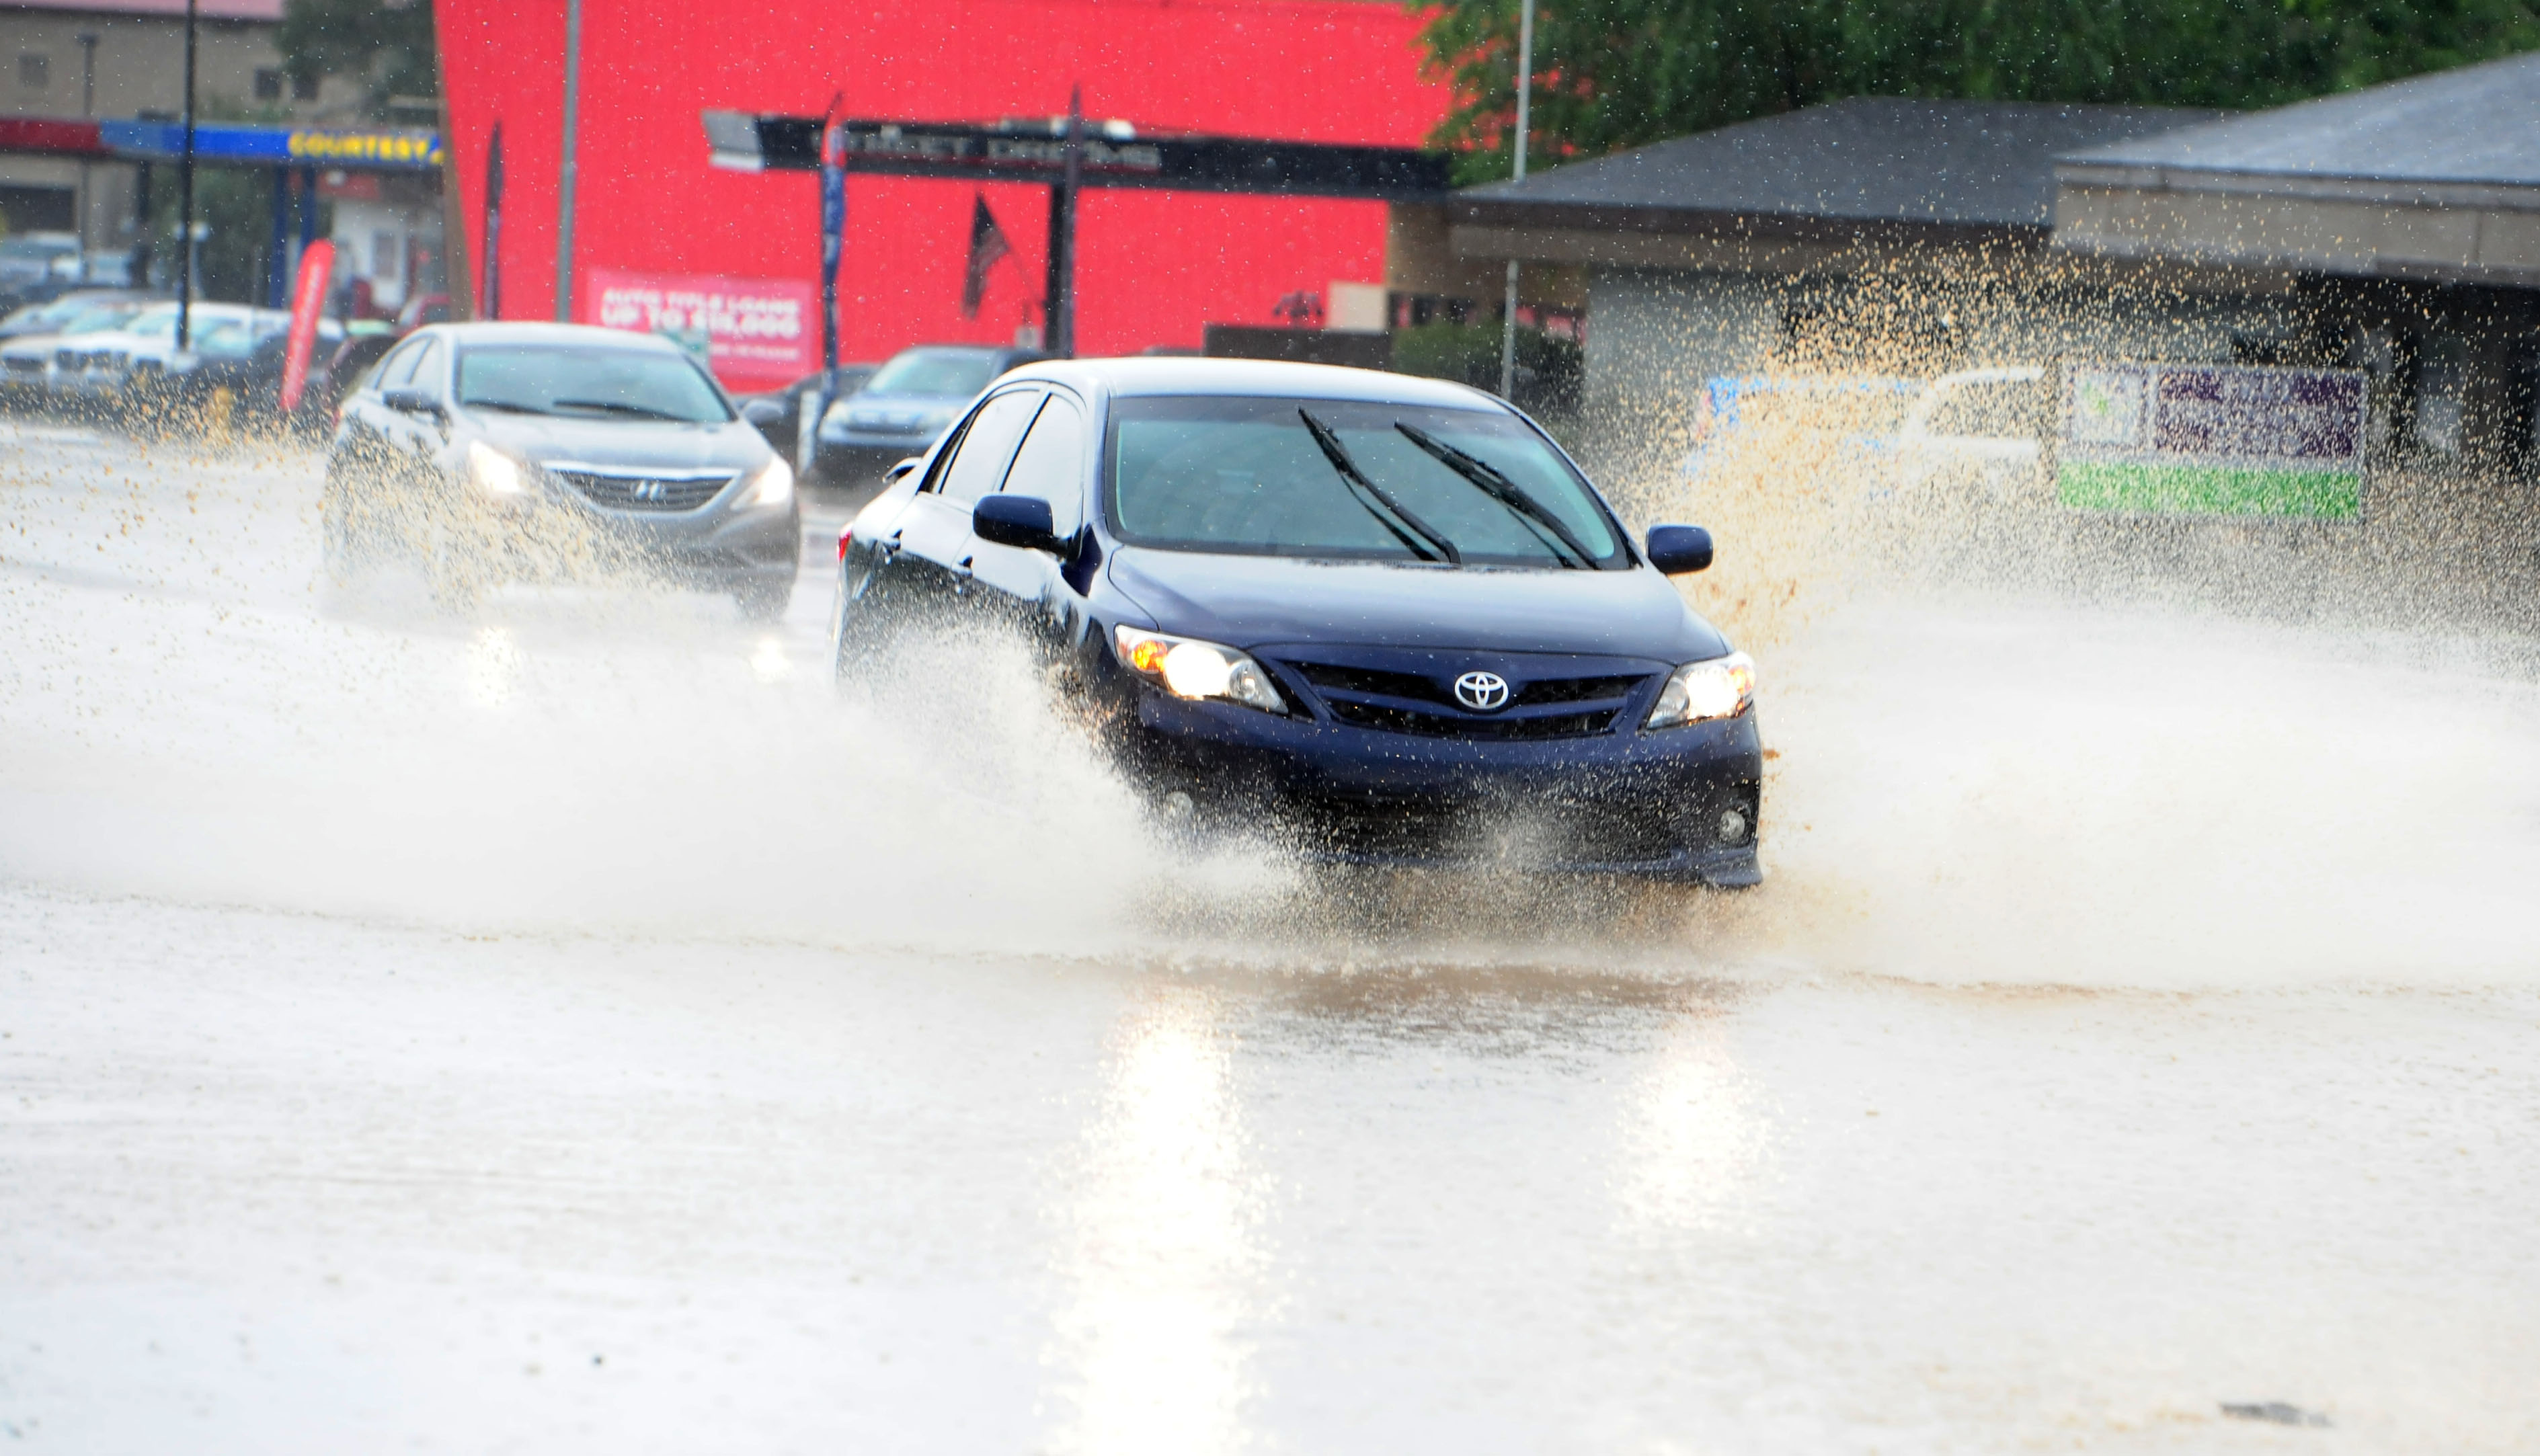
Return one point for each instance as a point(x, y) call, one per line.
point(1524, 94)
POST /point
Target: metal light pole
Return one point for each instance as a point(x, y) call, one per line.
point(88, 107)
point(185, 198)
point(565, 178)
point(1524, 98)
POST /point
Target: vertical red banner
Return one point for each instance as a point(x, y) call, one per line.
point(308, 302)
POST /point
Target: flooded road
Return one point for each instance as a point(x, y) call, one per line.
point(571, 1028)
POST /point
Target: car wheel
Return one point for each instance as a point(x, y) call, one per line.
point(454, 579)
point(764, 600)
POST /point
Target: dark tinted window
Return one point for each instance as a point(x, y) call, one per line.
point(1051, 464)
point(1247, 476)
point(987, 447)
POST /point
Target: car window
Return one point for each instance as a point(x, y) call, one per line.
point(589, 381)
point(1996, 409)
point(1051, 464)
point(962, 372)
point(1247, 476)
point(399, 366)
point(428, 366)
point(987, 447)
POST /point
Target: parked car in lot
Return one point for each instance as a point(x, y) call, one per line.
point(1980, 432)
point(132, 366)
point(778, 413)
point(1386, 615)
point(491, 453)
point(904, 406)
point(36, 335)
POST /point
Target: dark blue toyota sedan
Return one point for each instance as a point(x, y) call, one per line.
point(1383, 619)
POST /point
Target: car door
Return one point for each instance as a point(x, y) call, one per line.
point(931, 551)
point(1032, 587)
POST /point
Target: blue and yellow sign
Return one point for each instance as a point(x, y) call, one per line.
point(242, 144)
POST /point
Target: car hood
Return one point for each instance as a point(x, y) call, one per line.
point(1250, 602)
point(634, 444)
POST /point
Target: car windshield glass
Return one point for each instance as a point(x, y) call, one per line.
point(160, 327)
point(227, 340)
point(961, 371)
point(100, 317)
point(36, 247)
point(589, 382)
point(1248, 475)
point(48, 315)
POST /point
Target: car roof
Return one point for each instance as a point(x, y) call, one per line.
point(1153, 375)
point(587, 334)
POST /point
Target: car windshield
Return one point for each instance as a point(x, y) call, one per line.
point(962, 372)
point(99, 317)
point(161, 327)
point(48, 315)
point(589, 382)
point(233, 340)
point(1348, 479)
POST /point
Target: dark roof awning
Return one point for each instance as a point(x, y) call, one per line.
point(1115, 156)
point(1868, 164)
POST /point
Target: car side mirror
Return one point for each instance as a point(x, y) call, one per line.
point(902, 470)
point(1022, 521)
point(1678, 549)
point(407, 400)
point(763, 412)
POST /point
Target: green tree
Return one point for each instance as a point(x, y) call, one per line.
point(1612, 74)
point(387, 44)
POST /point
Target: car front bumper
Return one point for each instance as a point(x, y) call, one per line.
point(1621, 802)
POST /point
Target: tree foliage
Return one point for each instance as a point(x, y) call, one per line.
point(386, 46)
point(1612, 74)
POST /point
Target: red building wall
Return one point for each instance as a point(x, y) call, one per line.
point(1153, 267)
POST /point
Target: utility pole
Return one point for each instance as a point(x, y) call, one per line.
point(1525, 96)
point(1058, 303)
point(186, 197)
point(88, 108)
point(565, 178)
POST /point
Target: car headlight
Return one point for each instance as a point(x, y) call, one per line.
point(773, 485)
point(1699, 692)
point(494, 472)
point(1190, 668)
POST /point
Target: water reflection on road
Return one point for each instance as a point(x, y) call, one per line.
point(1154, 1244)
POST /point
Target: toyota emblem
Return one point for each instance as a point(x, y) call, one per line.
point(1483, 692)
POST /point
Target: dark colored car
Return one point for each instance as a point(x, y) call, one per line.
point(503, 452)
point(778, 413)
point(904, 406)
point(1386, 615)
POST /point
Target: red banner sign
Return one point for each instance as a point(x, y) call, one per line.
point(749, 331)
point(308, 302)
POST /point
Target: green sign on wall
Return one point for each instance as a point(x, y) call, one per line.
point(2213, 440)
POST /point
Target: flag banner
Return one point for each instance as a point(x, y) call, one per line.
point(987, 244)
point(308, 302)
point(2213, 440)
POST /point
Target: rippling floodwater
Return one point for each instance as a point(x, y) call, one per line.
point(570, 1027)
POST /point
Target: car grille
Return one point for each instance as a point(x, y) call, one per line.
point(1419, 704)
point(1599, 830)
point(22, 365)
point(646, 492)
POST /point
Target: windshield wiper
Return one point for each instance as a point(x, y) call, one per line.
point(1565, 547)
point(619, 408)
point(1418, 536)
point(505, 405)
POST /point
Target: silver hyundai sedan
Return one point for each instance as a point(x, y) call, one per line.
point(491, 453)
